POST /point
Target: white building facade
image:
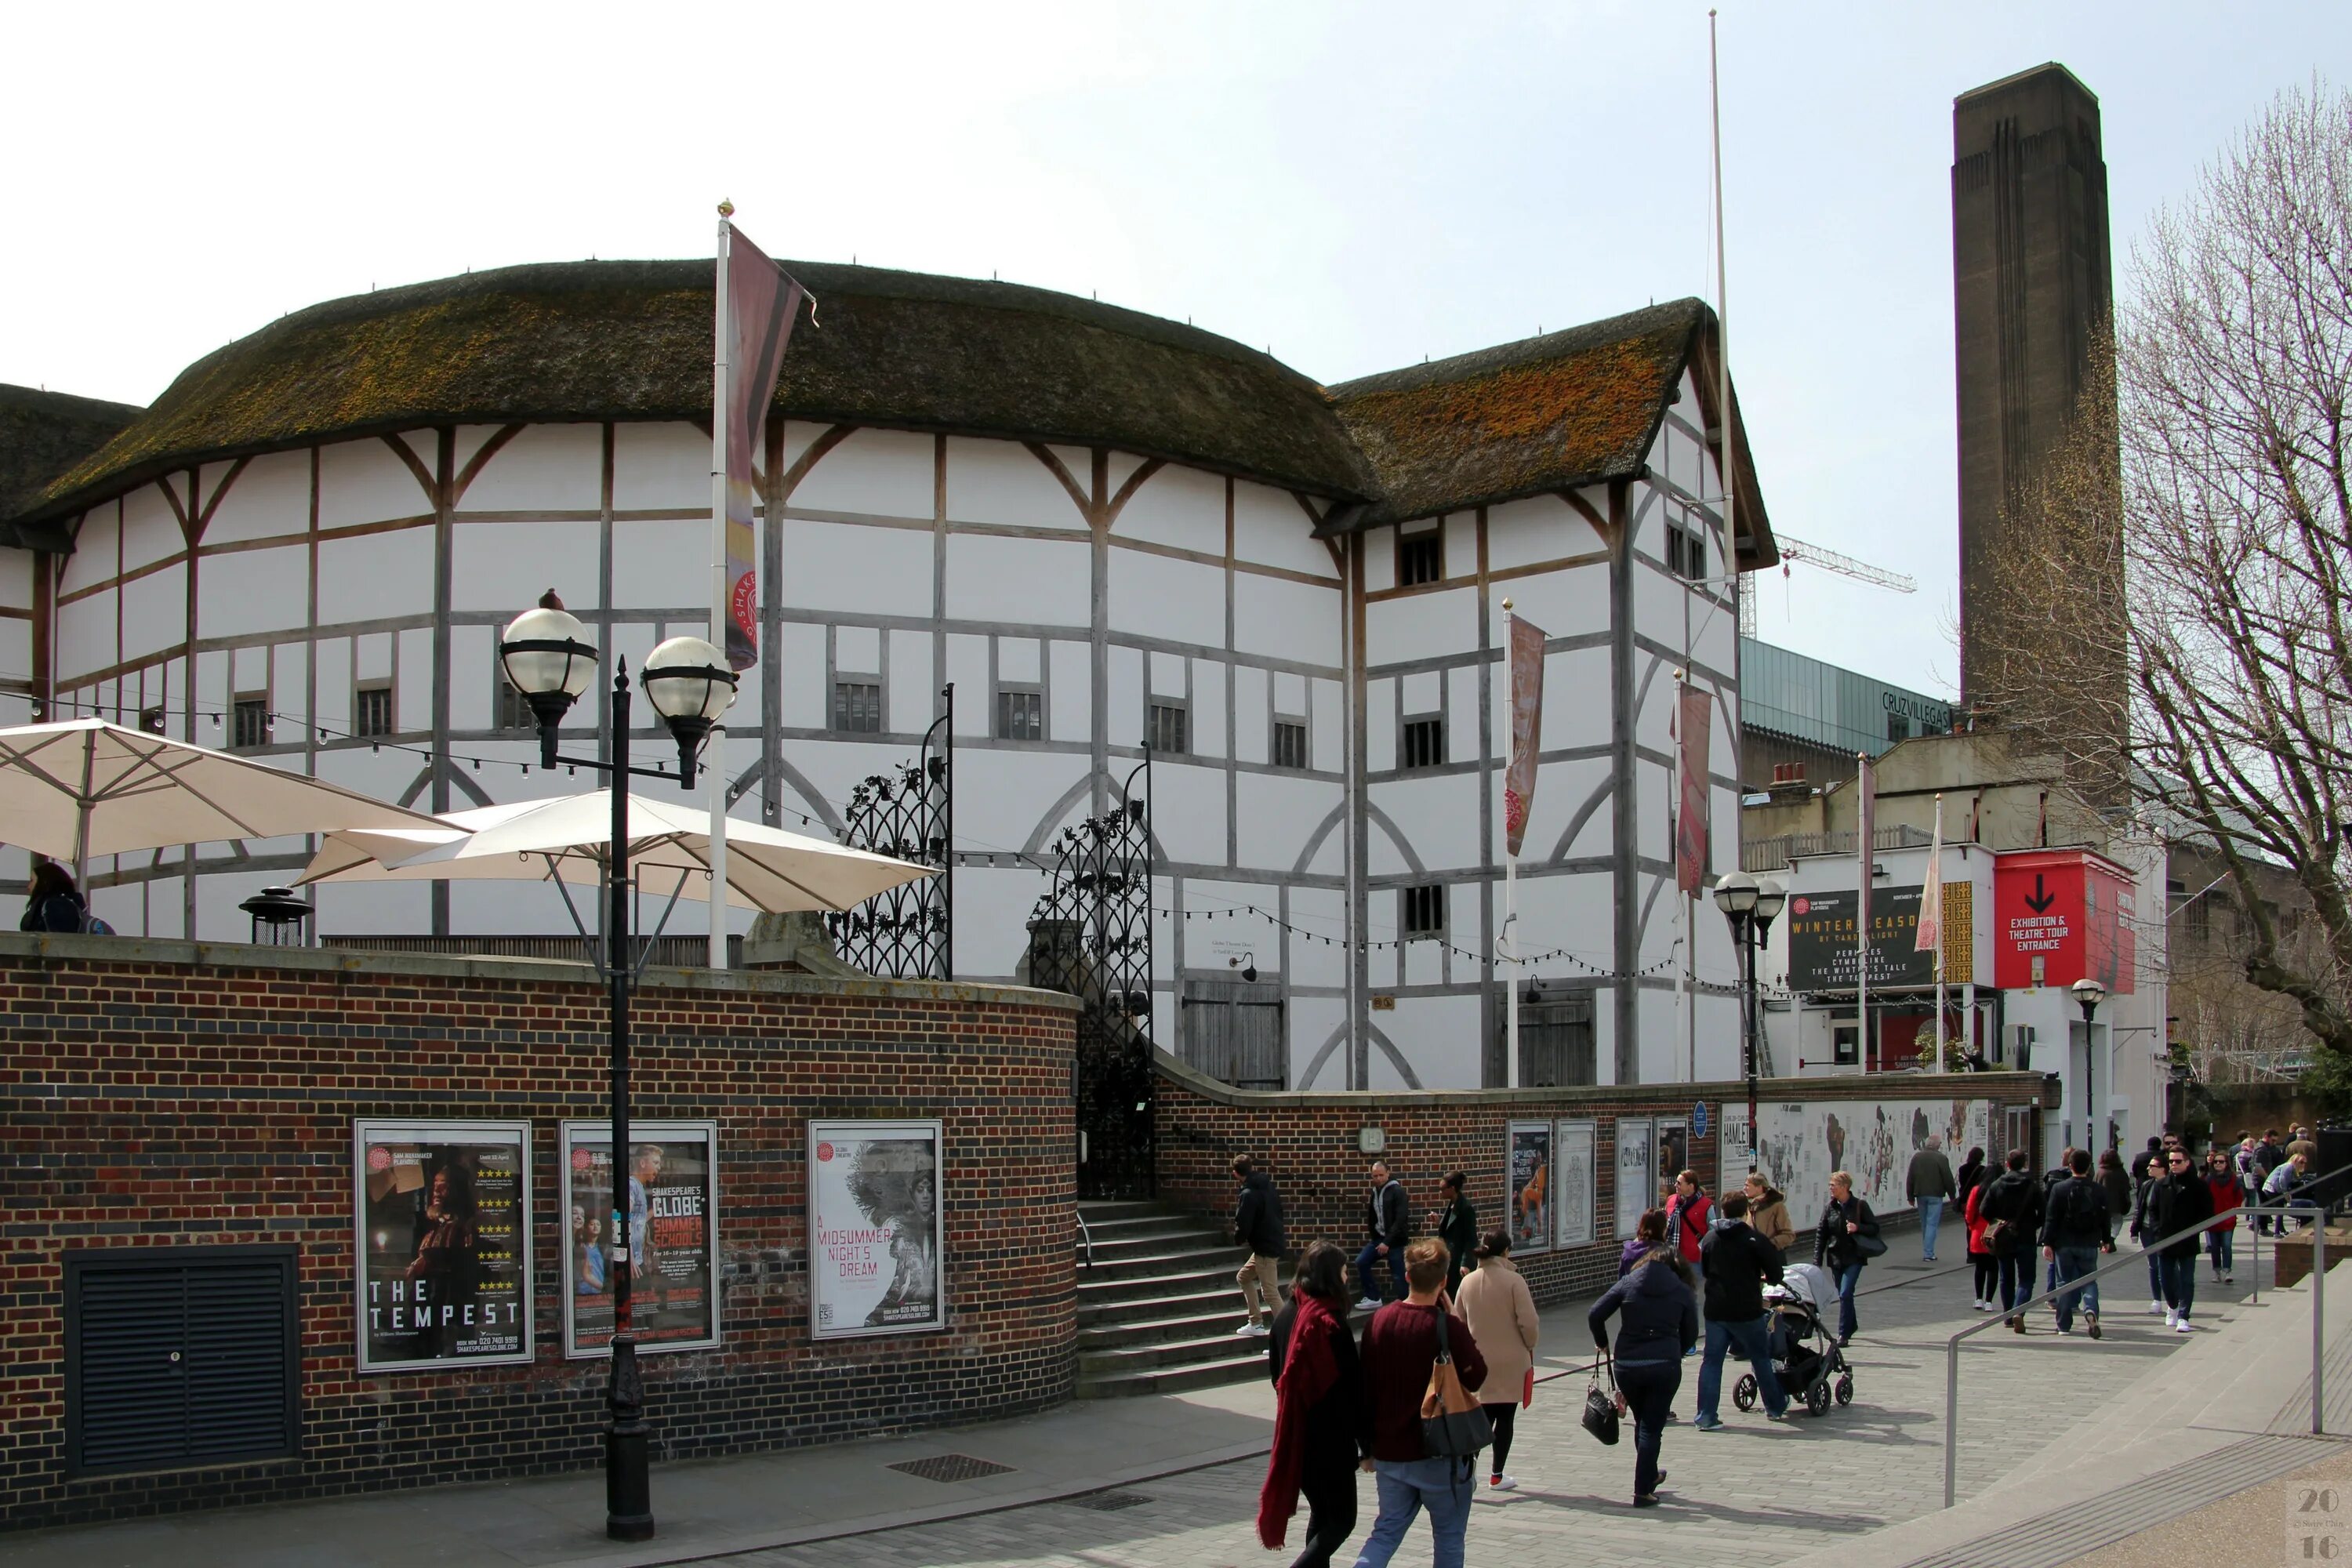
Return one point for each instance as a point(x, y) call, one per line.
point(1098, 529)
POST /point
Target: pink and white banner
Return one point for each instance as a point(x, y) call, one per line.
point(762, 304)
point(1527, 646)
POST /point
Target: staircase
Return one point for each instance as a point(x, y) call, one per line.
point(1158, 1308)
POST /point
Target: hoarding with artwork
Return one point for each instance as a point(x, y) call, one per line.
point(442, 1216)
point(876, 1235)
point(1526, 1180)
point(673, 1190)
point(1572, 1184)
point(1873, 1140)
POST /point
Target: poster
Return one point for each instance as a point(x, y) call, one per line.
point(1572, 1186)
point(1674, 1158)
point(1635, 1188)
point(1871, 1140)
point(673, 1188)
point(1822, 948)
point(877, 1237)
point(441, 1215)
point(1526, 1179)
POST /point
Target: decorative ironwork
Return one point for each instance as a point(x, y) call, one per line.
point(1090, 935)
point(907, 933)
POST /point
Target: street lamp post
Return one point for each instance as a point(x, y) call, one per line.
point(1751, 907)
point(2090, 994)
point(547, 658)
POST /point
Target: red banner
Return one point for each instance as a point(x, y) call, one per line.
point(1526, 729)
point(762, 304)
point(2060, 915)
point(1693, 721)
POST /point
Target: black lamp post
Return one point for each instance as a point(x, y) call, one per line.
point(279, 913)
point(2090, 994)
point(1751, 907)
point(546, 656)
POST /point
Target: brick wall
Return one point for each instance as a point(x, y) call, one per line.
point(166, 1094)
point(1309, 1140)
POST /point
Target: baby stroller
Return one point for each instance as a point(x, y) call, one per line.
point(1805, 1355)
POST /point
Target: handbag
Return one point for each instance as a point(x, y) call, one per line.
point(1452, 1424)
point(1868, 1244)
point(1600, 1409)
point(1527, 1389)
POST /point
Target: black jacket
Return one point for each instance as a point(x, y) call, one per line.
point(1335, 1421)
point(57, 912)
point(2016, 1198)
point(1832, 1243)
point(1384, 1216)
point(1737, 1263)
point(2176, 1203)
point(1657, 1314)
point(1257, 1219)
point(2077, 1214)
point(1458, 1228)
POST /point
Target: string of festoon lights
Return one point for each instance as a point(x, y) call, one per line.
point(1584, 967)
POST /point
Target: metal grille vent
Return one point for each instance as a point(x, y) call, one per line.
point(952, 1468)
point(1107, 1503)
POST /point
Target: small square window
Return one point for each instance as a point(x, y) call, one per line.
point(1423, 743)
point(1290, 743)
point(1422, 910)
point(1020, 715)
point(857, 707)
point(152, 719)
point(1898, 728)
point(2200, 919)
point(372, 713)
point(513, 709)
point(1686, 553)
point(252, 728)
point(1421, 558)
point(1167, 730)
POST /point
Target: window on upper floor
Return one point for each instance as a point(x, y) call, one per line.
point(1685, 552)
point(1166, 730)
point(1289, 742)
point(372, 710)
point(1421, 911)
point(1421, 557)
point(857, 707)
point(1898, 728)
point(1019, 713)
point(1423, 744)
point(252, 721)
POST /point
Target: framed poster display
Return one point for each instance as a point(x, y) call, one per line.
point(1573, 1185)
point(441, 1234)
point(877, 1237)
point(1674, 1153)
point(673, 1193)
point(1526, 1179)
point(1636, 1187)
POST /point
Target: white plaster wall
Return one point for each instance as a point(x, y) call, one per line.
point(541, 468)
point(251, 591)
point(1276, 617)
point(371, 576)
point(1002, 483)
point(658, 467)
point(1176, 601)
point(366, 481)
point(1271, 528)
point(887, 473)
point(1045, 582)
point(1181, 507)
point(272, 500)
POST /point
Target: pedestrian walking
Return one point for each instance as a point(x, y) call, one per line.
point(1737, 1264)
point(1846, 1237)
point(1970, 1176)
point(1686, 1216)
point(2175, 1203)
point(1928, 1183)
point(1981, 1261)
point(1657, 1315)
point(1257, 1226)
point(2229, 1196)
point(2012, 1207)
point(2152, 1170)
point(1318, 1392)
point(2075, 1229)
point(1399, 1350)
point(1386, 1223)
point(1495, 1302)
point(1649, 1234)
point(2117, 1183)
point(1457, 1226)
point(2050, 1180)
point(1768, 1213)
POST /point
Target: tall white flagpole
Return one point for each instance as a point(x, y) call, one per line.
point(1942, 936)
point(1511, 987)
point(715, 751)
point(1722, 318)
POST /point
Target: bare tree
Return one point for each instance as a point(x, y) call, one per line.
point(2171, 620)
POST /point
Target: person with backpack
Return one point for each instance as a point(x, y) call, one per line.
point(53, 903)
point(1386, 1223)
point(2174, 1204)
point(2075, 1229)
point(2012, 1207)
point(1257, 1226)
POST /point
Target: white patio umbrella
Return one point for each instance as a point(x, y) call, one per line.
point(568, 839)
point(85, 787)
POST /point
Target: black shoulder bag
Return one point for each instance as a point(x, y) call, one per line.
point(1600, 1408)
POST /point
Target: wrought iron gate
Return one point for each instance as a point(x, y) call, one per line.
point(907, 933)
point(1090, 935)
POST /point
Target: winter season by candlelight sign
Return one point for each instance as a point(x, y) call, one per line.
point(1823, 951)
point(875, 1233)
point(443, 1242)
point(673, 1188)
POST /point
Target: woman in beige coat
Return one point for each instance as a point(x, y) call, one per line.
point(1501, 1314)
point(1768, 1213)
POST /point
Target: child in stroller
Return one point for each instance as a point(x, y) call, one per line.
point(1812, 1370)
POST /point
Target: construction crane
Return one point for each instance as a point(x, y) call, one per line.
point(1792, 550)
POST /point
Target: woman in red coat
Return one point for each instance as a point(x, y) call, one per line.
point(1980, 1253)
point(1688, 1214)
point(2229, 1194)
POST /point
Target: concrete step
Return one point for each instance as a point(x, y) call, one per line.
point(1223, 1298)
point(1176, 1260)
point(1218, 1344)
point(1128, 1384)
point(1202, 1323)
point(1112, 1209)
point(1160, 1239)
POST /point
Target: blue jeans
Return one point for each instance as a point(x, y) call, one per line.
point(1369, 1259)
point(1754, 1339)
point(1931, 1220)
point(1649, 1389)
point(1443, 1486)
point(1847, 1279)
point(2218, 1243)
point(2155, 1276)
point(2180, 1283)
point(2016, 1278)
point(2074, 1262)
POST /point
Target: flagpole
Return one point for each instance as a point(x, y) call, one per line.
point(1682, 899)
point(1866, 838)
point(1937, 854)
point(1510, 909)
point(1722, 317)
point(716, 755)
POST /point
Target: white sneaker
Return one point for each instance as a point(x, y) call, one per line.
point(2171, 1317)
point(2154, 1306)
point(1247, 1330)
point(2182, 1325)
point(1984, 1306)
point(1368, 1305)
point(1502, 1484)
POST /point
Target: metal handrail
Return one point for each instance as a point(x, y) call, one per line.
point(2075, 1286)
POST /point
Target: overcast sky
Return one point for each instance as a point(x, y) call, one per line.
point(1354, 186)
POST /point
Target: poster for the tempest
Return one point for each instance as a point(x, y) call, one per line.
point(443, 1233)
point(671, 1187)
point(875, 1230)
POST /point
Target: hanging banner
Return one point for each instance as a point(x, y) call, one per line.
point(1931, 892)
point(442, 1237)
point(1572, 1184)
point(876, 1235)
point(1693, 723)
point(673, 1189)
point(1526, 729)
point(762, 304)
point(1527, 1177)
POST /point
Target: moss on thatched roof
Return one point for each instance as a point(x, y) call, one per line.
point(631, 340)
point(43, 434)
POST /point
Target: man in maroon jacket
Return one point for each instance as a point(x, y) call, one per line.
point(1399, 1350)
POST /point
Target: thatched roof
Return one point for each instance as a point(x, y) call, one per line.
point(42, 433)
point(1542, 415)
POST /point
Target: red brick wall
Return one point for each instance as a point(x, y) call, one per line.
point(170, 1094)
point(1309, 1140)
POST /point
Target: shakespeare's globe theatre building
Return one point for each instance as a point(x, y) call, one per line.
point(1098, 527)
